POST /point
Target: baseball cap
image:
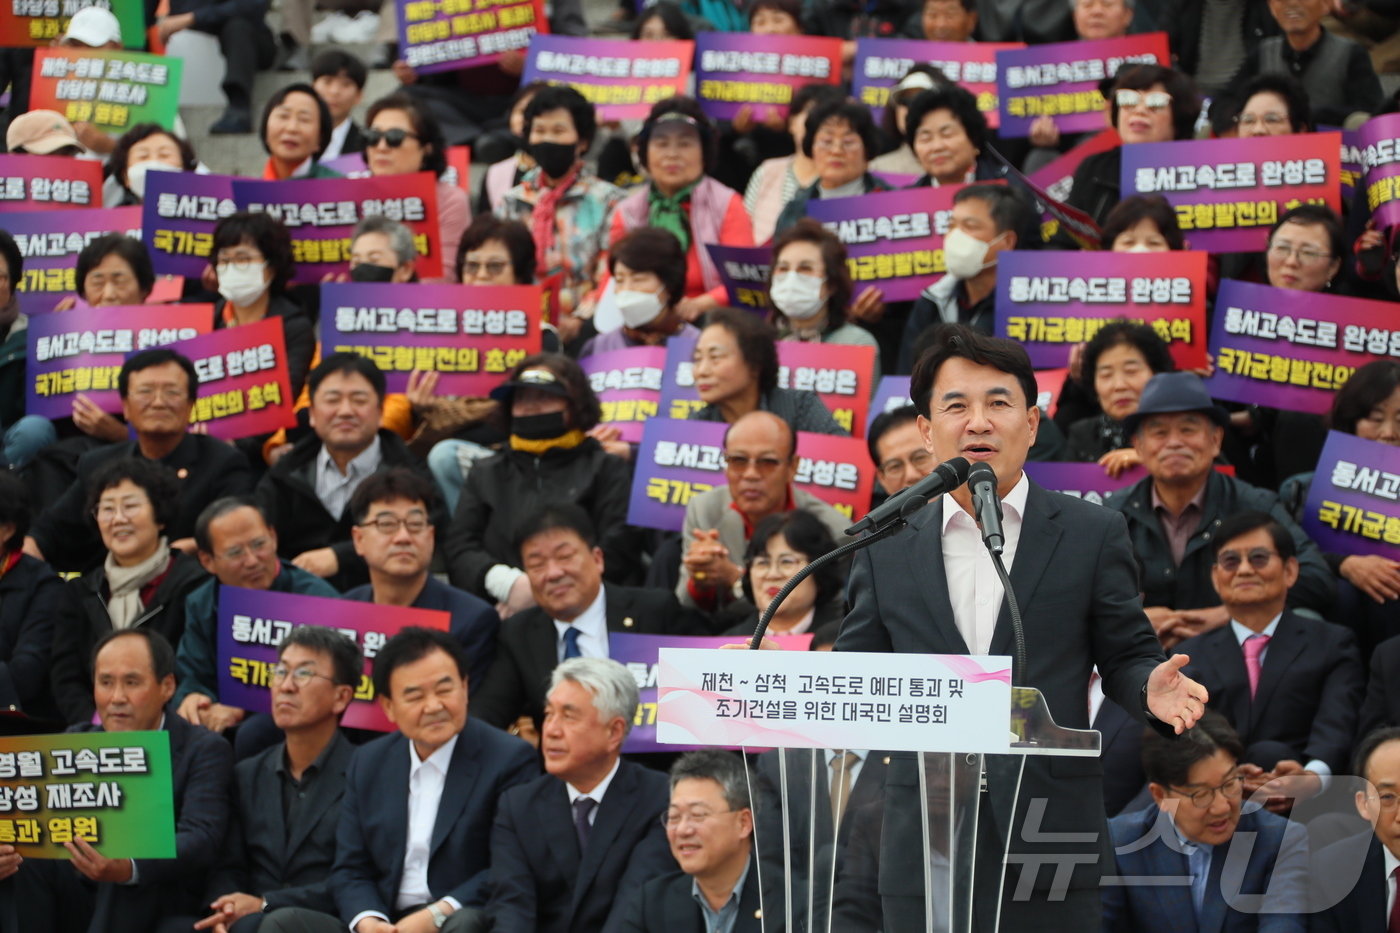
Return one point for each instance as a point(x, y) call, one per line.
point(94, 26)
point(534, 378)
point(40, 132)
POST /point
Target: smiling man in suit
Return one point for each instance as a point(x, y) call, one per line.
point(1291, 686)
point(934, 590)
point(573, 615)
point(569, 848)
point(287, 798)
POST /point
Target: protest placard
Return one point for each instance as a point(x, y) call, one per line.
point(1378, 144)
point(744, 272)
point(109, 789)
point(1228, 192)
point(735, 70)
point(470, 334)
point(45, 182)
point(178, 216)
point(1061, 80)
point(83, 350)
point(449, 35)
point(1048, 309)
point(252, 623)
point(881, 63)
point(837, 470)
point(628, 385)
point(50, 241)
point(1293, 349)
point(891, 393)
point(244, 389)
point(1351, 173)
point(112, 90)
point(1353, 504)
point(37, 23)
point(841, 375)
point(1087, 481)
point(894, 239)
point(621, 79)
point(321, 214)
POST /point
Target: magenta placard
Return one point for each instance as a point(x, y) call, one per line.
point(734, 70)
point(628, 385)
point(244, 389)
point(843, 376)
point(837, 470)
point(621, 79)
point(470, 334)
point(47, 183)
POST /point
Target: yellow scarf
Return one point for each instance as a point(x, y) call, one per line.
point(565, 441)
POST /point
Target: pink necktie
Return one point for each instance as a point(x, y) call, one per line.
point(1254, 646)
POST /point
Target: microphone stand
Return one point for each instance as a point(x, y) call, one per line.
point(1017, 632)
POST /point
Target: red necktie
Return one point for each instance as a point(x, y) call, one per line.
point(1394, 925)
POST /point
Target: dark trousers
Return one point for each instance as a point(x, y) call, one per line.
point(248, 47)
point(50, 895)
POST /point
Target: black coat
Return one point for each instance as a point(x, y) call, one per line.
point(298, 330)
point(1184, 30)
point(83, 620)
point(1097, 187)
point(205, 468)
point(31, 602)
point(288, 493)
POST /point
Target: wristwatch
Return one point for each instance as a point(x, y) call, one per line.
point(439, 918)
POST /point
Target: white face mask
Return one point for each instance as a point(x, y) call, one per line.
point(965, 255)
point(638, 309)
point(798, 296)
point(241, 287)
point(136, 175)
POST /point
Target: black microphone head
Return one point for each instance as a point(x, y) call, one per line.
point(954, 472)
point(982, 472)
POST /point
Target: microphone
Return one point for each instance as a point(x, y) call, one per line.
point(945, 477)
point(982, 480)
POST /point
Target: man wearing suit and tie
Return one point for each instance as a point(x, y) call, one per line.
point(933, 590)
point(569, 848)
point(1191, 861)
point(573, 615)
point(1291, 686)
point(287, 799)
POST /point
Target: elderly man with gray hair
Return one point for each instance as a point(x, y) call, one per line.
point(569, 848)
point(382, 250)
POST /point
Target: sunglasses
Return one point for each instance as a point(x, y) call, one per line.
point(1259, 558)
point(392, 138)
point(1152, 100)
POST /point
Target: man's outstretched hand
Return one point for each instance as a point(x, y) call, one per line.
point(1174, 698)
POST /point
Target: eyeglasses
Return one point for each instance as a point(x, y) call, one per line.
point(1259, 557)
point(787, 563)
point(108, 511)
point(147, 394)
point(838, 144)
point(242, 262)
point(1268, 119)
point(919, 460)
point(1307, 255)
point(493, 267)
point(1232, 789)
point(697, 816)
point(392, 138)
point(1152, 100)
point(301, 676)
point(1386, 800)
point(390, 524)
point(258, 546)
point(739, 463)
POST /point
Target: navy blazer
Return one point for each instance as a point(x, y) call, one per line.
point(542, 883)
point(289, 866)
point(667, 905)
point(1360, 902)
point(373, 831)
point(474, 622)
point(1309, 694)
point(1382, 704)
point(1120, 751)
point(1275, 853)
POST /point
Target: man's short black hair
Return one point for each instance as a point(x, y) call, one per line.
point(1168, 761)
point(348, 363)
point(1010, 211)
point(217, 510)
point(1242, 523)
point(885, 422)
point(162, 655)
point(1373, 740)
point(14, 509)
point(393, 483)
point(157, 356)
point(14, 259)
point(155, 479)
point(334, 62)
point(961, 341)
point(414, 644)
point(347, 663)
point(563, 516)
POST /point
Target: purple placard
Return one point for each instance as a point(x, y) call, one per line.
point(640, 653)
point(471, 334)
point(1087, 481)
point(1351, 164)
point(621, 79)
point(351, 165)
point(253, 622)
point(891, 393)
point(1061, 80)
point(744, 271)
point(1227, 193)
point(894, 239)
point(82, 350)
point(628, 385)
point(677, 461)
point(1379, 142)
point(734, 70)
point(1353, 505)
point(1291, 349)
point(178, 218)
point(50, 241)
point(679, 397)
point(881, 63)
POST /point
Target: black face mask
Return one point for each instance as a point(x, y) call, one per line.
point(555, 158)
point(369, 272)
point(539, 427)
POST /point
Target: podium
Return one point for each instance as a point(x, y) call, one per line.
point(917, 839)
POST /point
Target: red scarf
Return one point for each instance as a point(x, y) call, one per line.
point(542, 217)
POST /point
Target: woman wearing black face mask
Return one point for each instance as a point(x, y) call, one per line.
point(547, 408)
point(563, 203)
point(381, 250)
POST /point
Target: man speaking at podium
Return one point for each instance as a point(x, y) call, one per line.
point(933, 590)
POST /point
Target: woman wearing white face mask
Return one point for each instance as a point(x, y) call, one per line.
point(810, 289)
point(648, 270)
point(143, 149)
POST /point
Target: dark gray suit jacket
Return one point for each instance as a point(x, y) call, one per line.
point(1076, 583)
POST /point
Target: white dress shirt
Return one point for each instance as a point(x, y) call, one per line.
point(426, 779)
point(974, 588)
point(854, 770)
point(592, 625)
point(334, 488)
point(1242, 634)
point(595, 795)
point(338, 135)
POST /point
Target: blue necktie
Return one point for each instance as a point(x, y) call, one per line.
point(571, 635)
point(583, 807)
